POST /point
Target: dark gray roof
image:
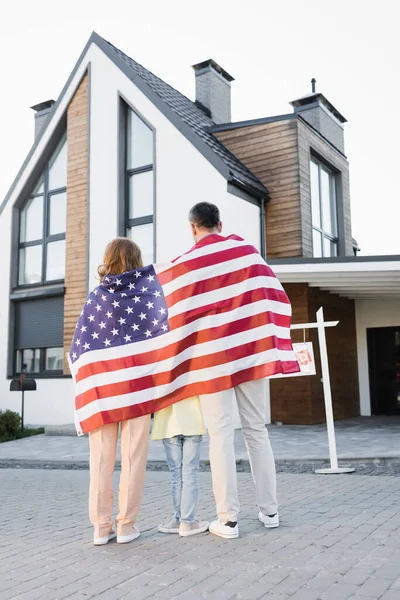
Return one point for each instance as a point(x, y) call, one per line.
point(192, 121)
point(193, 116)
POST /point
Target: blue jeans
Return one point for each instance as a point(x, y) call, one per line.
point(183, 458)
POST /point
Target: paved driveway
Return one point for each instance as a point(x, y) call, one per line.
point(339, 540)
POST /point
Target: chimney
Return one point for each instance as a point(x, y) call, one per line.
point(322, 115)
point(213, 90)
point(43, 111)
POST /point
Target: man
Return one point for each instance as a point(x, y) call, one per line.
point(217, 409)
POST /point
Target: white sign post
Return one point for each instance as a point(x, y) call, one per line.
point(320, 325)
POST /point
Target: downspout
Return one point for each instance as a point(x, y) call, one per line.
point(263, 236)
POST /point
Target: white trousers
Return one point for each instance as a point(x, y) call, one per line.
point(218, 413)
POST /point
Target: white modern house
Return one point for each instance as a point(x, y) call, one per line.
point(123, 153)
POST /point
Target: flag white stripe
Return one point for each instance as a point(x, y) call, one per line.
point(225, 293)
point(197, 351)
point(216, 320)
point(199, 376)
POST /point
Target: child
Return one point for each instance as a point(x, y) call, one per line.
point(181, 427)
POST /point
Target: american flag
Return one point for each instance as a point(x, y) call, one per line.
point(212, 319)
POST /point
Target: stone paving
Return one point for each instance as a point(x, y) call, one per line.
point(357, 439)
point(339, 540)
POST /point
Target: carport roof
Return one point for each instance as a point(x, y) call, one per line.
point(366, 277)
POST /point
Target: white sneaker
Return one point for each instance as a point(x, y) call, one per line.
point(171, 526)
point(186, 529)
point(269, 522)
point(102, 541)
point(125, 539)
point(223, 530)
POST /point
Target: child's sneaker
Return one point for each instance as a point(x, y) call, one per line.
point(171, 526)
point(186, 529)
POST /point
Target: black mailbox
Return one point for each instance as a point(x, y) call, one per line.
point(26, 385)
point(23, 384)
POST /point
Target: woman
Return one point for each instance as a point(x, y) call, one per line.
point(121, 255)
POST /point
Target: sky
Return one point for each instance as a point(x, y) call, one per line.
point(272, 49)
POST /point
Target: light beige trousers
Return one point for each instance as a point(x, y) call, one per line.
point(218, 413)
point(103, 449)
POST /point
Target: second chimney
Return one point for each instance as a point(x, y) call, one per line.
point(42, 111)
point(213, 90)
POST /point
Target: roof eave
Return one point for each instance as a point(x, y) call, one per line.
point(251, 122)
point(261, 192)
point(336, 260)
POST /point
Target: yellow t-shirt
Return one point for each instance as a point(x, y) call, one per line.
point(182, 418)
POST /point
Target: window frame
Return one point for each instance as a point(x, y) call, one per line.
point(127, 223)
point(46, 237)
point(333, 204)
point(43, 372)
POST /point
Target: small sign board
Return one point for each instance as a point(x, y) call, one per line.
point(305, 357)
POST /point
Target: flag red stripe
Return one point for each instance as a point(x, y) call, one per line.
point(218, 282)
point(208, 260)
point(207, 241)
point(194, 389)
point(197, 337)
point(167, 377)
point(230, 304)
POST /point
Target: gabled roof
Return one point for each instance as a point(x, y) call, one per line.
point(188, 118)
point(189, 113)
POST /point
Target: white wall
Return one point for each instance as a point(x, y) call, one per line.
point(371, 313)
point(51, 404)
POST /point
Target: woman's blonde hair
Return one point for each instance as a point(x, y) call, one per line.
point(120, 255)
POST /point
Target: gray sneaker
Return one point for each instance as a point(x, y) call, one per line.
point(171, 526)
point(186, 529)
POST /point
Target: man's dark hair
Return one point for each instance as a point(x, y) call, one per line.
point(205, 215)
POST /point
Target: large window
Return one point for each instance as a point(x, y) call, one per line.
point(324, 210)
point(38, 262)
point(139, 184)
point(43, 224)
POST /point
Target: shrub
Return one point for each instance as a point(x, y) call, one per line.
point(10, 424)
